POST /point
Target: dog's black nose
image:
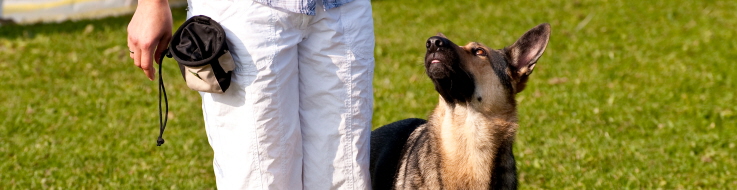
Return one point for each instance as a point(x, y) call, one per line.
point(436, 42)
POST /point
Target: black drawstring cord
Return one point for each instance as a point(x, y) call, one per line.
point(163, 118)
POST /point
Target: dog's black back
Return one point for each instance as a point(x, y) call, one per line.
point(387, 143)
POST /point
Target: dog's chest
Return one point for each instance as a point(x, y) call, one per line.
point(467, 159)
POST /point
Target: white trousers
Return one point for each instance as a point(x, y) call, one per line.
point(298, 113)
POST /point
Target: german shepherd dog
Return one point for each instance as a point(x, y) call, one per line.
point(467, 141)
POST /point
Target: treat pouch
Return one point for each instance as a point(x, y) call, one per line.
point(200, 49)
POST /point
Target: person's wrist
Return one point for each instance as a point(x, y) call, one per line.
point(153, 2)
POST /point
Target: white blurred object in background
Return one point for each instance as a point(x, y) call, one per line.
point(30, 11)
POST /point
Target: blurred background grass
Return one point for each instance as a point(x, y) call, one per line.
point(628, 95)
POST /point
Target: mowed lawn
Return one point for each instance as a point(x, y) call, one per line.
point(628, 95)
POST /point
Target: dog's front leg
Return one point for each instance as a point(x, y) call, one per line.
point(505, 169)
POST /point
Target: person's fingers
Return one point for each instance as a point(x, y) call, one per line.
point(130, 46)
point(130, 51)
point(146, 62)
point(163, 44)
point(134, 52)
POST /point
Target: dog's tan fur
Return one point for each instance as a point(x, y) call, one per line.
point(456, 148)
point(467, 151)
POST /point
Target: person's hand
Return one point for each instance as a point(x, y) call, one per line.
point(149, 32)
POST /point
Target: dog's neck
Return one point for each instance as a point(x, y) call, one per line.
point(470, 139)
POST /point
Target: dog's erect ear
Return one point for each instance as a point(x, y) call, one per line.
point(528, 48)
point(524, 53)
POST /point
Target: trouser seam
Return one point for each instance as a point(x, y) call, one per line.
point(270, 59)
point(349, 124)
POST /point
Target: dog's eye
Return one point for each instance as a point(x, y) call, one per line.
point(480, 52)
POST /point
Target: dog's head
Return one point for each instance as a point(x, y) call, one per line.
point(476, 73)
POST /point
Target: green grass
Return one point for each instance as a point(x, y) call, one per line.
point(628, 95)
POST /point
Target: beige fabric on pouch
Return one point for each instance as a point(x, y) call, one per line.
point(203, 78)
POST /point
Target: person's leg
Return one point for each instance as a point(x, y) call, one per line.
point(253, 128)
point(336, 67)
